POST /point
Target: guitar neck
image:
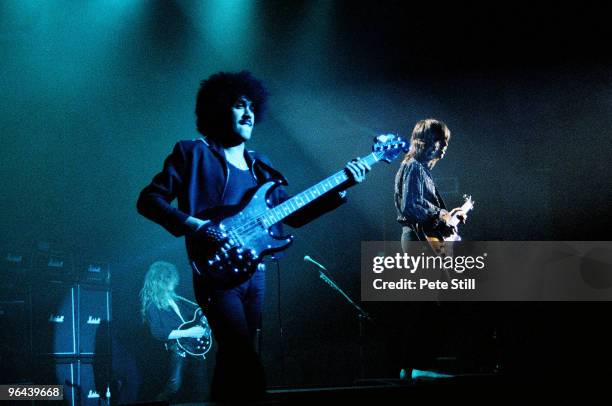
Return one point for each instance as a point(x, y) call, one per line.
point(290, 206)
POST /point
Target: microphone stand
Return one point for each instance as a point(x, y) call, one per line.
point(362, 315)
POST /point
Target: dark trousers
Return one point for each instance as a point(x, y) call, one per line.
point(423, 332)
point(179, 365)
point(235, 316)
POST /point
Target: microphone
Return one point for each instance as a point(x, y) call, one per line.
point(307, 258)
point(326, 279)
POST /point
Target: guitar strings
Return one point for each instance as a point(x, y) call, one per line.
point(257, 219)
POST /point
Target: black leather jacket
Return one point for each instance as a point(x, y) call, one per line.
point(196, 174)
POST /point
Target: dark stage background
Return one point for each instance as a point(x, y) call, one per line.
point(95, 94)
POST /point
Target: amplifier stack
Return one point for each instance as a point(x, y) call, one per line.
point(55, 320)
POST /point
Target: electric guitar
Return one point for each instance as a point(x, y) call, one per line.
point(442, 245)
point(198, 347)
point(247, 226)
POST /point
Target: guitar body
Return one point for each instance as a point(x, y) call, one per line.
point(242, 226)
point(240, 236)
point(437, 238)
point(197, 347)
point(443, 245)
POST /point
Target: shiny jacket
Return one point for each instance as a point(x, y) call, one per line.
point(416, 197)
point(196, 174)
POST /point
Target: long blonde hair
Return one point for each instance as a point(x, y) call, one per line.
point(155, 290)
point(425, 133)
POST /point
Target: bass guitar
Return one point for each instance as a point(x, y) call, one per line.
point(247, 226)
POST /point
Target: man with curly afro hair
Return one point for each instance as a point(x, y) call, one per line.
point(218, 93)
point(217, 170)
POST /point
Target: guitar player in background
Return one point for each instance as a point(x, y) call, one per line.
point(217, 170)
point(420, 207)
point(164, 311)
point(421, 212)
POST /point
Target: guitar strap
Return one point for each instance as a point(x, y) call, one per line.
point(187, 300)
point(175, 307)
point(439, 197)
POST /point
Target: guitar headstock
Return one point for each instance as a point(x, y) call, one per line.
point(387, 147)
point(469, 203)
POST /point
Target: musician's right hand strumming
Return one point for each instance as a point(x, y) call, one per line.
point(195, 223)
point(232, 254)
point(195, 332)
point(206, 231)
point(444, 226)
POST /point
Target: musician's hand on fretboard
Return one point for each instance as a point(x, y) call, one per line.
point(357, 170)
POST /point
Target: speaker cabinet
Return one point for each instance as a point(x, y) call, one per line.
point(94, 381)
point(60, 372)
point(53, 319)
point(85, 381)
point(94, 314)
